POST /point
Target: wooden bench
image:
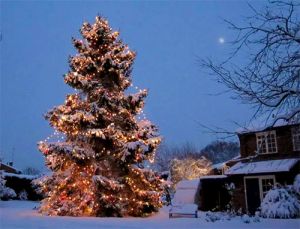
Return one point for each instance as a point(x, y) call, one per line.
point(184, 210)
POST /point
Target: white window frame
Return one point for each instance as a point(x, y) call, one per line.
point(266, 134)
point(260, 178)
point(295, 133)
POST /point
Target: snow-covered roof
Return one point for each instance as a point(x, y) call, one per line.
point(235, 158)
point(218, 166)
point(213, 177)
point(222, 164)
point(269, 166)
point(188, 184)
point(21, 176)
point(261, 125)
point(8, 166)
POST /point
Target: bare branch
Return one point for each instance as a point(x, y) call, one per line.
point(270, 80)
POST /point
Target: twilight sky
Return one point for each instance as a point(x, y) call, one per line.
point(168, 36)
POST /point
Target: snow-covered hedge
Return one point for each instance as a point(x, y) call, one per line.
point(282, 202)
point(17, 186)
point(23, 195)
point(5, 192)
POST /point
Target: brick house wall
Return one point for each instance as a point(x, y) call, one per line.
point(238, 197)
point(248, 145)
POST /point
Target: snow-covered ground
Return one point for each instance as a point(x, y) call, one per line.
point(20, 214)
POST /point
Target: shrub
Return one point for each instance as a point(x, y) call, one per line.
point(280, 202)
point(5, 192)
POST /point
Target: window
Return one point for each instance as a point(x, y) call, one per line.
point(296, 138)
point(266, 185)
point(266, 142)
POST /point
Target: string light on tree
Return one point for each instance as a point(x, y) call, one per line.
point(102, 136)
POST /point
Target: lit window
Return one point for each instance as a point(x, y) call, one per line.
point(266, 142)
point(296, 138)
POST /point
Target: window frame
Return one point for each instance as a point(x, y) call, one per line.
point(265, 135)
point(262, 192)
point(295, 133)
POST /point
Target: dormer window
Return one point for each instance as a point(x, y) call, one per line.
point(266, 142)
point(296, 138)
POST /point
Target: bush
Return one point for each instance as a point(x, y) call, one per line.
point(246, 218)
point(212, 216)
point(23, 195)
point(5, 192)
point(280, 202)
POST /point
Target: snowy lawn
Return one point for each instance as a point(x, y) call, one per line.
point(20, 214)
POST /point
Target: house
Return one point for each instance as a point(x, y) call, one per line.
point(268, 156)
point(8, 168)
point(19, 182)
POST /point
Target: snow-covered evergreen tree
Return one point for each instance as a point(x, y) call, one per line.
point(5, 192)
point(280, 202)
point(98, 169)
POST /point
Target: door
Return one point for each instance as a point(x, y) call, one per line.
point(252, 194)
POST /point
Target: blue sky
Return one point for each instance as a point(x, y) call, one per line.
point(168, 36)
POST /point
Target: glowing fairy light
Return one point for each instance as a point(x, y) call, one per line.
point(99, 131)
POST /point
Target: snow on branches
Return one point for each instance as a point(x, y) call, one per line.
point(282, 202)
point(5, 192)
point(279, 203)
point(189, 168)
point(98, 168)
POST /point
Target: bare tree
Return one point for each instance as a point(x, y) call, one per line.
point(189, 168)
point(163, 158)
point(31, 171)
point(165, 154)
point(269, 47)
point(220, 151)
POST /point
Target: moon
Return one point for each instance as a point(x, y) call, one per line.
point(221, 40)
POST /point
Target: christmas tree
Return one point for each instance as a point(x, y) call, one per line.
point(99, 168)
